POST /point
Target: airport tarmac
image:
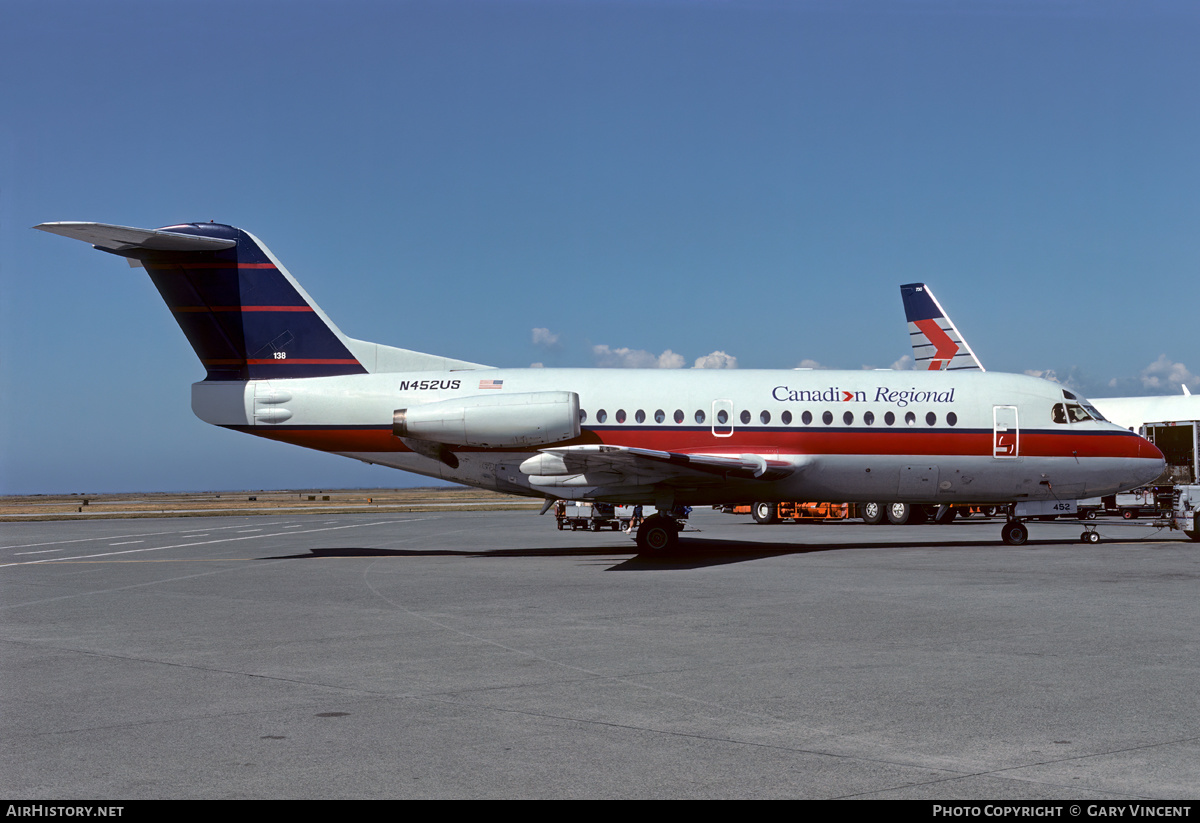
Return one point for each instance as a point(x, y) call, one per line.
point(486, 654)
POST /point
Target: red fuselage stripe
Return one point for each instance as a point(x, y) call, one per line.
point(769, 444)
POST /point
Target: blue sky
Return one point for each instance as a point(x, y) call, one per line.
point(647, 182)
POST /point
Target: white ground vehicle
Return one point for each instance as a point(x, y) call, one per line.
point(1185, 512)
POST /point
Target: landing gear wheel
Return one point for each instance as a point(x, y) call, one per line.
point(1014, 533)
point(764, 513)
point(898, 513)
point(944, 517)
point(1090, 537)
point(657, 534)
point(872, 513)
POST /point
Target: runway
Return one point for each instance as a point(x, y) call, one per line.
point(488, 655)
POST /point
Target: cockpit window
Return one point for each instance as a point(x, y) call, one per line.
point(1060, 413)
point(1076, 413)
point(1093, 411)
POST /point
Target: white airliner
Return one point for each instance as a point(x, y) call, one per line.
point(279, 368)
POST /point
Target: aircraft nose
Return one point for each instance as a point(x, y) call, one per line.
point(1150, 452)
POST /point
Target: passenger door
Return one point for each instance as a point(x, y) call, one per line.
point(1006, 436)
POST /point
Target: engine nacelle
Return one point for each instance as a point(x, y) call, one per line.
point(521, 419)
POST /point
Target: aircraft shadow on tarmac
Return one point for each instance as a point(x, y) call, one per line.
point(692, 552)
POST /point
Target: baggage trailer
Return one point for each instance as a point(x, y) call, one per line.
point(593, 516)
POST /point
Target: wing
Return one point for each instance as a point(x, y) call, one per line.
point(642, 466)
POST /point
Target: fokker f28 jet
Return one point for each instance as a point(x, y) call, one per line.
point(277, 367)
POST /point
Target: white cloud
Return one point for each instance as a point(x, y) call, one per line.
point(1163, 374)
point(537, 365)
point(624, 358)
point(545, 338)
point(809, 364)
point(905, 363)
point(1045, 374)
point(716, 360)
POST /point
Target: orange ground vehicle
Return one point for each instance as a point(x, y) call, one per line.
point(871, 513)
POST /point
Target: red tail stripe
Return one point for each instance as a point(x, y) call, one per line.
point(211, 264)
point(240, 308)
point(946, 348)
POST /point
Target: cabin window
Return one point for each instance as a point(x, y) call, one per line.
point(699, 415)
point(869, 418)
point(889, 418)
point(601, 416)
point(806, 418)
point(827, 418)
point(910, 419)
point(951, 418)
point(679, 415)
point(786, 417)
point(745, 417)
point(931, 419)
point(765, 417)
point(848, 418)
point(620, 415)
point(640, 416)
point(659, 416)
point(582, 416)
point(722, 417)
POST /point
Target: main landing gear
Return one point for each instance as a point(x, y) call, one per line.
point(658, 533)
point(1016, 533)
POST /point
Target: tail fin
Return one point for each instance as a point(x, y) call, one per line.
point(936, 343)
point(244, 314)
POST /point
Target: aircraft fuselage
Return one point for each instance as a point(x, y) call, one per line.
point(921, 437)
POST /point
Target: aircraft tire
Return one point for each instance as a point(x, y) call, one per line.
point(657, 534)
point(873, 513)
point(1014, 533)
point(1090, 537)
point(898, 513)
point(765, 513)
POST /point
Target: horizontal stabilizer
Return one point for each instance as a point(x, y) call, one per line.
point(122, 238)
